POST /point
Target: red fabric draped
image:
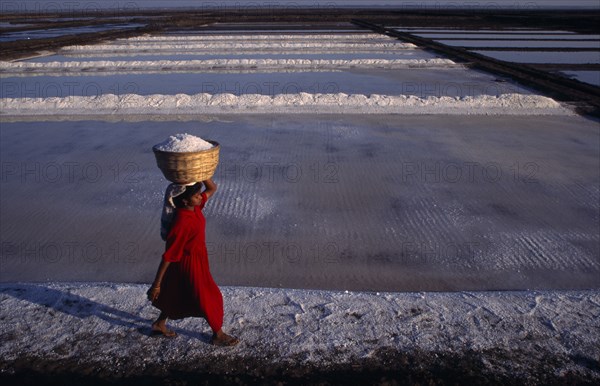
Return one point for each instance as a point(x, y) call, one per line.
point(188, 288)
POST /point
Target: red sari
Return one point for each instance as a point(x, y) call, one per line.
point(188, 288)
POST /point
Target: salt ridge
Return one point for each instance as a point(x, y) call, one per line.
point(31, 68)
point(505, 104)
point(234, 46)
point(236, 37)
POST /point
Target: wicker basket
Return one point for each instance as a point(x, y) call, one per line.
point(183, 168)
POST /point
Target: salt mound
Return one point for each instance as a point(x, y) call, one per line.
point(181, 143)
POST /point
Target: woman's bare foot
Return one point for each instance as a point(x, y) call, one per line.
point(222, 339)
point(161, 328)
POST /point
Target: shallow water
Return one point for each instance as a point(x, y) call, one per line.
point(387, 202)
point(364, 202)
point(533, 35)
point(56, 32)
point(558, 57)
point(483, 32)
point(591, 77)
point(523, 43)
point(419, 82)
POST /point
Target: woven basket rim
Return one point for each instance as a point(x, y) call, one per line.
point(216, 145)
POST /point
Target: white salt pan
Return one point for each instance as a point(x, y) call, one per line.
point(181, 143)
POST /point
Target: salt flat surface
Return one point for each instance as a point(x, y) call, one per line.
point(484, 31)
point(544, 57)
point(418, 82)
point(523, 43)
point(302, 81)
point(591, 77)
point(359, 202)
point(13, 25)
point(56, 32)
point(294, 209)
point(447, 199)
point(534, 35)
point(529, 337)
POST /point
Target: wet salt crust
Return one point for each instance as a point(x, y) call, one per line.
point(182, 143)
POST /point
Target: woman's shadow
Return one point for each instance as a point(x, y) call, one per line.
point(82, 307)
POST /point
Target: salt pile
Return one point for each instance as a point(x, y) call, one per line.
point(181, 143)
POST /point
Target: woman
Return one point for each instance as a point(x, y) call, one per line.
point(183, 285)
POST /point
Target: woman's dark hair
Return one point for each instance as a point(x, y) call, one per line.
point(187, 194)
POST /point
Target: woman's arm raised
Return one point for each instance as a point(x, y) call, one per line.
point(211, 187)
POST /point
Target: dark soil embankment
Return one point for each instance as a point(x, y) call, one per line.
point(26, 48)
point(386, 367)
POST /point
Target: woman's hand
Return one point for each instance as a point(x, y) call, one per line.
point(153, 293)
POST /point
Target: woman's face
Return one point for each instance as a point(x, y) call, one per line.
point(195, 199)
